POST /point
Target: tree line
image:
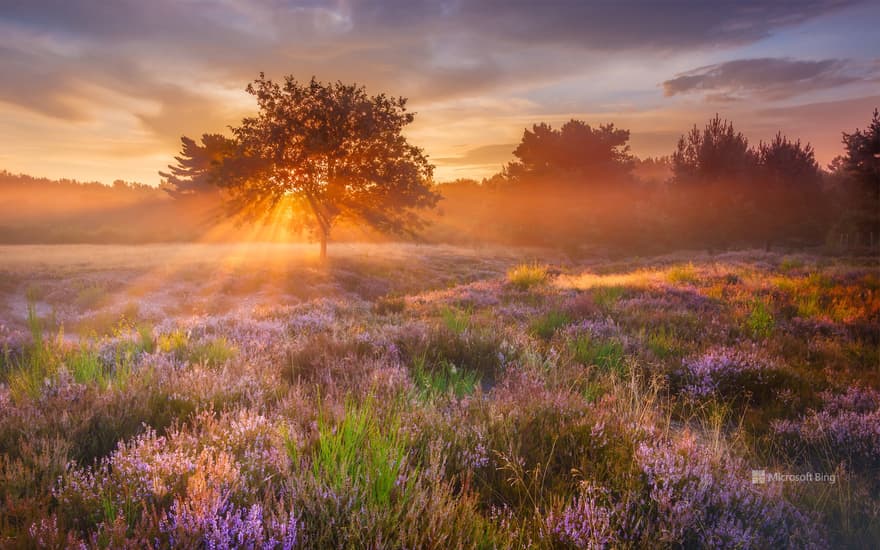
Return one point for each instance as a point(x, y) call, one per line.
point(580, 185)
point(329, 152)
point(320, 159)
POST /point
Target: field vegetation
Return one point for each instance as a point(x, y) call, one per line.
point(403, 396)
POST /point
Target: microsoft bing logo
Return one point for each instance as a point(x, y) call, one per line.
point(759, 477)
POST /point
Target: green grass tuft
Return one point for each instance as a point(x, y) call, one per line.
point(364, 451)
point(760, 322)
point(606, 354)
point(445, 379)
point(546, 326)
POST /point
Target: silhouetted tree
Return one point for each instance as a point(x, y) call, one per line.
point(789, 190)
point(329, 150)
point(858, 173)
point(576, 151)
point(711, 172)
point(717, 153)
point(197, 165)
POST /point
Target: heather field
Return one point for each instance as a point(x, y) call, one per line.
point(404, 396)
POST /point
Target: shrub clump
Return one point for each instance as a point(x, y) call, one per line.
point(526, 276)
point(688, 498)
point(728, 373)
point(846, 428)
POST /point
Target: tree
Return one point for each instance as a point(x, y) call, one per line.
point(789, 189)
point(859, 169)
point(718, 153)
point(575, 151)
point(198, 165)
point(862, 159)
point(325, 149)
point(711, 172)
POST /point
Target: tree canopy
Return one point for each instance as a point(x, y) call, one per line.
point(198, 165)
point(857, 174)
point(716, 153)
point(574, 151)
point(862, 159)
point(326, 149)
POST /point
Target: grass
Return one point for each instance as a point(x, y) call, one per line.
point(606, 354)
point(174, 342)
point(213, 352)
point(683, 274)
point(606, 296)
point(527, 276)
point(38, 362)
point(90, 297)
point(443, 380)
point(86, 367)
point(455, 320)
point(759, 322)
point(362, 450)
point(790, 264)
point(390, 305)
point(546, 326)
point(663, 343)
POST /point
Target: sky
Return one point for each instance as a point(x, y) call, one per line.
point(104, 89)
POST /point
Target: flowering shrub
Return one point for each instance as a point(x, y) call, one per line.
point(691, 499)
point(697, 498)
point(847, 427)
point(223, 457)
point(586, 522)
point(727, 373)
point(221, 525)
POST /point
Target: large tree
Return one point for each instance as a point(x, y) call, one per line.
point(329, 150)
point(788, 190)
point(859, 170)
point(197, 165)
point(574, 152)
point(717, 153)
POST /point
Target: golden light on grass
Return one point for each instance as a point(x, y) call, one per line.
point(585, 281)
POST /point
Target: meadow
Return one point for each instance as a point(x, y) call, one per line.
point(407, 396)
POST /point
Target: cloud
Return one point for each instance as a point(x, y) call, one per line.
point(169, 67)
point(768, 78)
point(428, 50)
point(496, 154)
point(624, 24)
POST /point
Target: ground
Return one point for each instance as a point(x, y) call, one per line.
point(424, 396)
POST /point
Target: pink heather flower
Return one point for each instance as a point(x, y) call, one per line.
point(706, 374)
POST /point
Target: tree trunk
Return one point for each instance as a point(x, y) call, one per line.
point(323, 246)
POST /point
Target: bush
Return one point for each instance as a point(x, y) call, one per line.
point(526, 276)
point(324, 355)
point(683, 274)
point(731, 374)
